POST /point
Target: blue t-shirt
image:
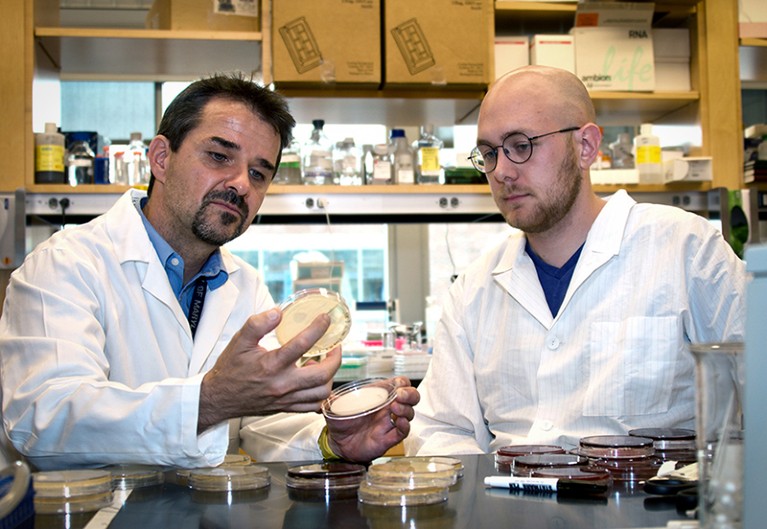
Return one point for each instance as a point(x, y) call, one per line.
point(554, 280)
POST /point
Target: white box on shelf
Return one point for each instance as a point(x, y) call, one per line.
point(672, 75)
point(553, 50)
point(511, 53)
point(690, 169)
point(671, 43)
point(615, 58)
point(615, 176)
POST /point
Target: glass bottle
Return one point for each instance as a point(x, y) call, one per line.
point(316, 156)
point(383, 168)
point(403, 158)
point(135, 160)
point(621, 150)
point(427, 148)
point(347, 163)
point(79, 159)
point(289, 170)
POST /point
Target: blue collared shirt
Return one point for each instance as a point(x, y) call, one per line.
point(174, 265)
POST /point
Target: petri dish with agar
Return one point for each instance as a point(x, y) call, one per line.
point(671, 444)
point(615, 447)
point(359, 398)
point(527, 464)
point(328, 480)
point(71, 491)
point(227, 479)
point(412, 473)
point(126, 477)
point(504, 456)
point(300, 309)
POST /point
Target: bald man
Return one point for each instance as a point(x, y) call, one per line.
point(578, 323)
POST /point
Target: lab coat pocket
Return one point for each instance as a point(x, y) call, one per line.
point(630, 366)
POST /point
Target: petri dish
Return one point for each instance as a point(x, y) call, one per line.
point(330, 480)
point(454, 461)
point(300, 309)
point(231, 478)
point(667, 438)
point(397, 497)
point(412, 473)
point(359, 398)
point(574, 473)
point(615, 447)
point(71, 491)
point(526, 464)
point(504, 456)
point(126, 477)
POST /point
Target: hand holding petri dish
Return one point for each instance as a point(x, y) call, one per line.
point(300, 310)
point(359, 398)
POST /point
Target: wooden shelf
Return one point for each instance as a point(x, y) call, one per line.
point(147, 54)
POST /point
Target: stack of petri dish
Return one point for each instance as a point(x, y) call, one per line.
point(671, 444)
point(128, 477)
point(300, 309)
point(407, 482)
point(504, 456)
point(71, 491)
point(324, 481)
point(627, 458)
point(525, 465)
point(230, 460)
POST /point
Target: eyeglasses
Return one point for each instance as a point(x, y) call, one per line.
point(517, 147)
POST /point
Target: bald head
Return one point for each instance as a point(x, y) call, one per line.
point(545, 90)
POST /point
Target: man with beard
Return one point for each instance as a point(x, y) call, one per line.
point(137, 338)
point(578, 323)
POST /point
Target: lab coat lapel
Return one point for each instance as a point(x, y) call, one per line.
point(603, 241)
point(516, 274)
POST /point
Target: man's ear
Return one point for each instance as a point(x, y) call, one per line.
point(590, 140)
point(158, 154)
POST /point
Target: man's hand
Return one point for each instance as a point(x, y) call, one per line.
point(368, 437)
point(248, 379)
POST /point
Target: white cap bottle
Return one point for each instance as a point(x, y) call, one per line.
point(647, 157)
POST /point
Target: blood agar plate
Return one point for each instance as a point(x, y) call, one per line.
point(359, 398)
point(329, 480)
point(300, 309)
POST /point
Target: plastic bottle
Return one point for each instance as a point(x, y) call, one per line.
point(383, 168)
point(49, 156)
point(289, 171)
point(427, 149)
point(402, 158)
point(316, 156)
point(347, 163)
point(761, 150)
point(648, 156)
point(621, 150)
point(80, 159)
point(135, 160)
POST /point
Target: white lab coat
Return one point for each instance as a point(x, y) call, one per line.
point(97, 360)
point(650, 279)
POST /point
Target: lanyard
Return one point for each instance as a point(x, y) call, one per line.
point(198, 299)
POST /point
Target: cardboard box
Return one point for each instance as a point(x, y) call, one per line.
point(437, 43)
point(614, 176)
point(553, 50)
point(688, 169)
point(614, 14)
point(205, 15)
point(615, 58)
point(671, 49)
point(511, 53)
point(326, 42)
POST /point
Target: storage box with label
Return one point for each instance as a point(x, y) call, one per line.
point(615, 58)
point(216, 15)
point(438, 43)
point(511, 53)
point(553, 50)
point(687, 169)
point(326, 42)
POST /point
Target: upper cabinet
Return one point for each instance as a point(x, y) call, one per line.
point(55, 51)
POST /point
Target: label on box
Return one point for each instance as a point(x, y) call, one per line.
point(243, 8)
point(615, 58)
point(627, 14)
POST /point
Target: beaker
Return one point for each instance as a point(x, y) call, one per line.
point(719, 433)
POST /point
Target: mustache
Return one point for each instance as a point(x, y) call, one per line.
point(229, 196)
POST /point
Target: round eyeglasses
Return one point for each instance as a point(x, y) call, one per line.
point(517, 147)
